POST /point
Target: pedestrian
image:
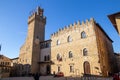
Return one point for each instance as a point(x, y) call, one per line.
point(36, 76)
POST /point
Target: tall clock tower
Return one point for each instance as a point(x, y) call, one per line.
point(30, 51)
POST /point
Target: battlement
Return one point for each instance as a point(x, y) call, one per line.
point(36, 13)
point(73, 26)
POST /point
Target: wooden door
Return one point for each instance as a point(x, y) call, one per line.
point(86, 67)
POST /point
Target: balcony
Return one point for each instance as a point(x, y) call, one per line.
point(46, 62)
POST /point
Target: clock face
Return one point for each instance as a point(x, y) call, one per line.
point(37, 41)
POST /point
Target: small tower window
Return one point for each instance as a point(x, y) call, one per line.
point(83, 35)
point(85, 52)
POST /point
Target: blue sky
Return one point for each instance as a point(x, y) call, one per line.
point(14, 15)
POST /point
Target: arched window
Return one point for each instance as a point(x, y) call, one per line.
point(70, 54)
point(69, 39)
point(58, 42)
point(83, 35)
point(58, 56)
point(85, 52)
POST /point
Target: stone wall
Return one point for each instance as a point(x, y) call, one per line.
point(105, 50)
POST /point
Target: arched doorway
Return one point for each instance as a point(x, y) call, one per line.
point(48, 69)
point(86, 67)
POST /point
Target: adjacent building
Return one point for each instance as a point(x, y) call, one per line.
point(5, 66)
point(76, 50)
point(15, 67)
point(115, 20)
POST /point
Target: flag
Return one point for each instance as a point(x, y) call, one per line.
point(0, 47)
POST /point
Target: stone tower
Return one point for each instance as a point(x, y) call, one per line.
point(36, 33)
point(30, 51)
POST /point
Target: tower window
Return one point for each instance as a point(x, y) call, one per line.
point(85, 52)
point(70, 54)
point(83, 35)
point(69, 39)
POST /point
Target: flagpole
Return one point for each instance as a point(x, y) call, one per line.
point(0, 48)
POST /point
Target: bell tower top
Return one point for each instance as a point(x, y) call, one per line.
point(40, 11)
point(37, 14)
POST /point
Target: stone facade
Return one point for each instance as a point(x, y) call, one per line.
point(95, 42)
point(79, 49)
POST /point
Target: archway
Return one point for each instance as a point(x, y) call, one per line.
point(86, 67)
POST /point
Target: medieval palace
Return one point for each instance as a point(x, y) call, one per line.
point(78, 49)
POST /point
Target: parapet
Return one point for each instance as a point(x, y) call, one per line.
point(73, 26)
